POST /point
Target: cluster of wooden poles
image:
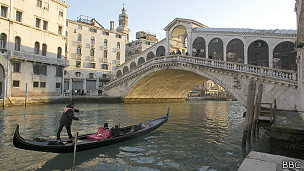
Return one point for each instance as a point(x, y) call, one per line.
point(252, 113)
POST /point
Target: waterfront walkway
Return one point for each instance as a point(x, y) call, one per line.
point(256, 161)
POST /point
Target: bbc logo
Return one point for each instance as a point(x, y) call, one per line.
point(291, 165)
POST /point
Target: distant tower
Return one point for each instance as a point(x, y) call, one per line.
point(123, 24)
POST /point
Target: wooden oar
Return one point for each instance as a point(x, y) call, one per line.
point(75, 142)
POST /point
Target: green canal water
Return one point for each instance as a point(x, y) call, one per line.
point(199, 135)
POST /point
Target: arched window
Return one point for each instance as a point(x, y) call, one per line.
point(160, 51)
point(78, 50)
point(285, 56)
point(17, 43)
point(215, 49)
point(37, 48)
point(150, 55)
point(105, 42)
point(117, 56)
point(93, 40)
point(92, 52)
point(105, 54)
point(235, 51)
point(3, 40)
point(118, 45)
point(199, 47)
point(44, 48)
point(79, 38)
point(59, 52)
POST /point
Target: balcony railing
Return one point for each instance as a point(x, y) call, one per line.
point(37, 58)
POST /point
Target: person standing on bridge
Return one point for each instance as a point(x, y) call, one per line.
point(66, 120)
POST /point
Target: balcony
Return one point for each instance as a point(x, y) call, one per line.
point(105, 60)
point(78, 57)
point(105, 48)
point(37, 58)
point(117, 63)
point(92, 59)
point(92, 45)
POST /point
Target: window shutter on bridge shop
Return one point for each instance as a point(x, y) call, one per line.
point(91, 84)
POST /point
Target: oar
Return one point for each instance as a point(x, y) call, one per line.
point(75, 142)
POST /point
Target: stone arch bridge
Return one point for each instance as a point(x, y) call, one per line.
point(192, 53)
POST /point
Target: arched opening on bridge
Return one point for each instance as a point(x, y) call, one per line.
point(199, 47)
point(160, 51)
point(118, 73)
point(258, 53)
point(150, 55)
point(284, 56)
point(132, 65)
point(178, 40)
point(215, 49)
point(125, 69)
point(235, 51)
point(141, 60)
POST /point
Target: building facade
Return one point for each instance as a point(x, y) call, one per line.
point(32, 47)
point(93, 53)
point(143, 42)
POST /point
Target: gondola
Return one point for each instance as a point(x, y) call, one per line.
point(83, 141)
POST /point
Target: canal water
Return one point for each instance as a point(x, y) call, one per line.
point(199, 135)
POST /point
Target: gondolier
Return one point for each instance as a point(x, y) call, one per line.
point(66, 119)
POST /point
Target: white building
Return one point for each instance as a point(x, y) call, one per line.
point(32, 47)
point(93, 53)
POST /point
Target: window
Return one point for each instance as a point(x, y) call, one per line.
point(35, 84)
point(45, 25)
point(58, 85)
point(59, 52)
point(79, 38)
point(79, 27)
point(39, 3)
point(16, 83)
point(38, 22)
point(114, 62)
point(92, 30)
point(106, 33)
point(93, 40)
point(92, 52)
point(78, 64)
point(91, 75)
point(3, 11)
point(3, 40)
point(46, 5)
point(60, 30)
point(118, 45)
point(61, 13)
point(92, 65)
point(36, 69)
point(59, 72)
point(37, 48)
point(78, 50)
point(118, 35)
point(118, 56)
point(17, 43)
point(44, 47)
point(104, 66)
point(16, 67)
point(105, 54)
point(42, 84)
point(77, 74)
point(66, 33)
point(105, 42)
point(18, 16)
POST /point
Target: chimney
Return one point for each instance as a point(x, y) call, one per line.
point(112, 25)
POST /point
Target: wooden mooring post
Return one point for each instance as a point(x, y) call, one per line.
point(249, 113)
point(257, 108)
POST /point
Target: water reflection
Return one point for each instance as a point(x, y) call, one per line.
point(198, 135)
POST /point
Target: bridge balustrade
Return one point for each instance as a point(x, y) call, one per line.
point(232, 66)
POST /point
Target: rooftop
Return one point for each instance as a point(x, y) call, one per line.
point(247, 30)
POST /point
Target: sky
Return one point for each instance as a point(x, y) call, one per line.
point(154, 15)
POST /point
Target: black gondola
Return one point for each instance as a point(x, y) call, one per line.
point(83, 143)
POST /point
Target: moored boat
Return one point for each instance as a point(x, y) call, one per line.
point(86, 142)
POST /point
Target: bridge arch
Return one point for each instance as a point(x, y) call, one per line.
point(258, 53)
point(199, 47)
point(216, 49)
point(132, 65)
point(118, 73)
point(125, 69)
point(140, 61)
point(150, 55)
point(285, 56)
point(160, 51)
point(235, 51)
point(178, 38)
